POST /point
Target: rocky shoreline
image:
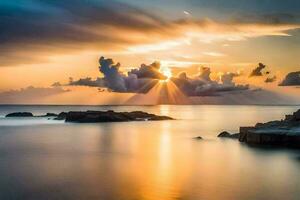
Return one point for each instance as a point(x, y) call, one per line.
point(283, 133)
point(96, 116)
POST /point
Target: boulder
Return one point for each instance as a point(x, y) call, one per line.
point(225, 134)
point(20, 114)
point(61, 116)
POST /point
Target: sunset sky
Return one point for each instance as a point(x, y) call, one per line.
point(203, 51)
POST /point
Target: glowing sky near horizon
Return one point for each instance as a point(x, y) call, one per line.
point(44, 41)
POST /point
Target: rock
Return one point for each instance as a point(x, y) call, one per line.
point(284, 133)
point(296, 115)
point(235, 136)
point(225, 134)
point(109, 116)
point(61, 116)
point(20, 114)
point(198, 138)
point(49, 115)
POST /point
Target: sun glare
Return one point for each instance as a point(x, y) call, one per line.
point(167, 72)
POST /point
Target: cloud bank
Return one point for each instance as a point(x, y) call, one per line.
point(30, 93)
point(144, 78)
point(60, 27)
point(202, 85)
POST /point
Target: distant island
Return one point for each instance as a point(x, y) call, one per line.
point(96, 116)
point(284, 133)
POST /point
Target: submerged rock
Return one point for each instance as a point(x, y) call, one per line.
point(110, 116)
point(20, 114)
point(198, 138)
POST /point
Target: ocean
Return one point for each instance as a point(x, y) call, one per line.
point(149, 160)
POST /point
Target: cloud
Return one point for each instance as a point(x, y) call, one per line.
point(142, 79)
point(202, 85)
point(291, 79)
point(258, 70)
point(30, 92)
point(88, 81)
point(58, 27)
point(271, 79)
point(149, 71)
point(56, 84)
point(137, 80)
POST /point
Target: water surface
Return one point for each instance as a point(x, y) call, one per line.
point(160, 160)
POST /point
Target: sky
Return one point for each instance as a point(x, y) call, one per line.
point(150, 52)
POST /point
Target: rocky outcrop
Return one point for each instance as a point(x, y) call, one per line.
point(20, 114)
point(96, 116)
point(226, 134)
point(110, 116)
point(279, 133)
point(29, 114)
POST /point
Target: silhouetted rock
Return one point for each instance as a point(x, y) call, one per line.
point(280, 133)
point(198, 138)
point(61, 116)
point(110, 116)
point(20, 114)
point(225, 134)
point(49, 115)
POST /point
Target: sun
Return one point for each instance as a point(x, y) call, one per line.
point(166, 71)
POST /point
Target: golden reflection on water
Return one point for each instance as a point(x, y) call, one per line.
point(157, 160)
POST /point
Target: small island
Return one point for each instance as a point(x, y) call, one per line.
point(97, 116)
point(283, 133)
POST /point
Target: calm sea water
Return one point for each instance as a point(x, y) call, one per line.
point(45, 159)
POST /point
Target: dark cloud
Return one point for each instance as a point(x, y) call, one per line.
point(202, 85)
point(149, 71)
point(139, 80)
point(258, 70)
point(99, 82)
point(56, 26)
point(56, 84)
point(271, 79)
point(142, 79)
point(53, 25)
point(291, 79)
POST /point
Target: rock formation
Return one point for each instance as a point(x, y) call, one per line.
point(109, 116)
point(280, 133)
point(20, 114)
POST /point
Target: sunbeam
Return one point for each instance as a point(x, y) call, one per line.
point(163, 92)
